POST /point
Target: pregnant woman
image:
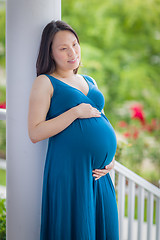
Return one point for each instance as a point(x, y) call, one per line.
point(78, 198)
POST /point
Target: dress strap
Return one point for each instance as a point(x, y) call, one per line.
point(51, 80)
point(54, 82)
point(89, 79)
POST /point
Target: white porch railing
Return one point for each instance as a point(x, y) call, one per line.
point(133, 185)
point(2, 165)
point(2, 114)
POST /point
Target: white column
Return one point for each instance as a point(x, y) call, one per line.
point(25, 160)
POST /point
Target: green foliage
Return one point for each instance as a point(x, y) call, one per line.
point(2, 177)
point(136, 151)
point(2, 36)
point(2, 206)
point(2, 26)
point(2, 139)
point(2, 94)
point(120, 48)
point(2, 219)
point(126, 37)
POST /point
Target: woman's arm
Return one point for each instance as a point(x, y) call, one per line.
point(39, 103)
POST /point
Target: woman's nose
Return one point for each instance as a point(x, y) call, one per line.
point(71, 52)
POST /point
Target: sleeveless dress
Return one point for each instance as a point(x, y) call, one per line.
point(74, 205)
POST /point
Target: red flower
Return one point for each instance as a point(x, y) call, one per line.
point(135, 134)
point(148, 127)
point(122, 124)
point(137, 113)
point(3, 105)
point(152, 126)
point(127, 134)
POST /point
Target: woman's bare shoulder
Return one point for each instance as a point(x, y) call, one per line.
point(42, 83)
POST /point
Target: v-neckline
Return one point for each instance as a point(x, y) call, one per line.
point(74, 87)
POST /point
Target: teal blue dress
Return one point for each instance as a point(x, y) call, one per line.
point(74, 205)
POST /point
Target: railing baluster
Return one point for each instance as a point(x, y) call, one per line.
point(149, 215)
point(140, 211)
point(2, 114)
point(157, 218)
point(121, 202)
point(112, 174)
point(131, 207)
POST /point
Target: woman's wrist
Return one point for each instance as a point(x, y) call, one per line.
point(75, 112)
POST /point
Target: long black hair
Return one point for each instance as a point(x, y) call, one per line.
point(45, 62)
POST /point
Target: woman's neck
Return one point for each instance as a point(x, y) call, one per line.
point(64, 74)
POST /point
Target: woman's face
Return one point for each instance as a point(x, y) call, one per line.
point(66, 51)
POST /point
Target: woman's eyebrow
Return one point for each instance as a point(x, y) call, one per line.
point(62, 44)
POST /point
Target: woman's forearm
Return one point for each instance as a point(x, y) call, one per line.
point(53, 126)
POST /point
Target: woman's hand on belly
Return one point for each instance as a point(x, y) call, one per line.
point(85, 110)
point(102, 172)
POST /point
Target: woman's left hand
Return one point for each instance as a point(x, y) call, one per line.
point(102, 172)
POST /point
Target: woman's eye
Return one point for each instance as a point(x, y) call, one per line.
point(63, 48)
point(74, 44)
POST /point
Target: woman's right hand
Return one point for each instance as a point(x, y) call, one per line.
point(85, 110)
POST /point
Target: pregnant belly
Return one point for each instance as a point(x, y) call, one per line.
point(99, 139)
point(87, 139)
point(93, 139)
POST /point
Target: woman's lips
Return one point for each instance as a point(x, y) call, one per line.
point(73, 61)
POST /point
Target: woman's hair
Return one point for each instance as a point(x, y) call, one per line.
point(45, 62)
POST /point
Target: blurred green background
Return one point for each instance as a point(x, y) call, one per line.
point(120, 43)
